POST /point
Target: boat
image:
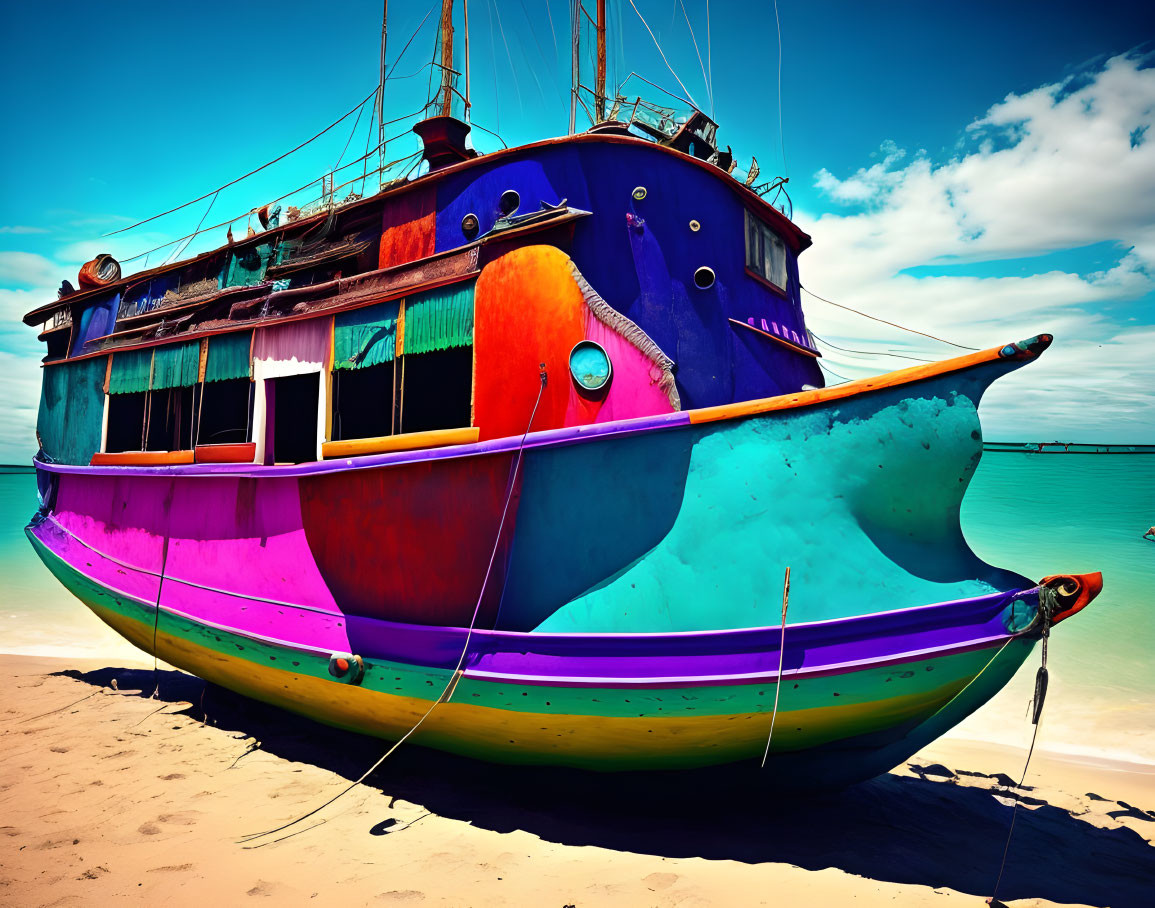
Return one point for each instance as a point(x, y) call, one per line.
point(513, 454)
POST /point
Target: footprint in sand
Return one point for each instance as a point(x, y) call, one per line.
point(185, 818)
point(400, 897)
point(171, 868)
point(59, 750)
point(171, 776)
point(660, 881)
point(148, 829)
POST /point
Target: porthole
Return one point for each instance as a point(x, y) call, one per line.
point(510, 202)
point(470, 226)
point(639, 192)
point(695, 226)
point(589, 364)
point(704, 278)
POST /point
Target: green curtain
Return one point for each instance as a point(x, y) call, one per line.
point(131, 372)
point(71, 413)
point(228, 356)
point(176, 366)
point(439, 319)
point(365, 337)
point(247, 266)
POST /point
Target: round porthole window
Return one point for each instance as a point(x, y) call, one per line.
point(695, 226)
point(639, 192)
point(470, 226)
point(704, 278)
point(589, 364)
point(510, 202)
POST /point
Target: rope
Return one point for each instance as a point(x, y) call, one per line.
point(885, 322)
point(1047, 603)
point(781, 657)
point(447, 691)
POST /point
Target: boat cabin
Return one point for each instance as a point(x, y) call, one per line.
point(641, 278)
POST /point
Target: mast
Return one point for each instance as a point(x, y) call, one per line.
point(575, 63)
point(600, 76)
point(465, 6)
point(447, 57)
point(381, 90)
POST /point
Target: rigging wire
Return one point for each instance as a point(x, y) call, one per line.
point(512, 71)
point(826, 368)
point(781, 135)
point(268, 164)
point(288, 194)
point(493, 66)
point(869, 352)
point(885, 322)
point(250, 173)
point(662, 53)
point(353, 131)
point(200, 223)
point(705, 78)
point(709, 61)
point(446, 692)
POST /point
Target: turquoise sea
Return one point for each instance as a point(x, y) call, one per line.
point(1037, 514)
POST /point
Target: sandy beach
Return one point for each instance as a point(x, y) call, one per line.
point(107, 794)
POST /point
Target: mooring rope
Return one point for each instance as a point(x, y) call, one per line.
point(781, 657)
point(450, 685)
point(1047, 601)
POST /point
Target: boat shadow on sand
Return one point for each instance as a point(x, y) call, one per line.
point(925, 830)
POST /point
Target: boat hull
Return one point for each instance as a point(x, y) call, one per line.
point(847, 713)
point(625, 627)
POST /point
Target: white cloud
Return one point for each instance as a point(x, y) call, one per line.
point(21, 229)
point(1055, 169)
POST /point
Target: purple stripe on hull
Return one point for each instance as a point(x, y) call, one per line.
point(657, 660)
point(548, 438)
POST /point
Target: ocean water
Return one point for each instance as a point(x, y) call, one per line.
point(1034, 514)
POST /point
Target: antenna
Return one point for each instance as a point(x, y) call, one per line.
point(381, 90)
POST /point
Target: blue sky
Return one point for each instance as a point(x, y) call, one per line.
point(981, 172)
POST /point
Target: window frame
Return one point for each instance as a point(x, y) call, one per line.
point(757, 233)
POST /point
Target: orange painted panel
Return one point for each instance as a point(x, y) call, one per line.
point(239, 452)
point(141, 458)
point(528, 310)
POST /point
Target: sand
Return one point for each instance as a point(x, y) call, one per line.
point(108, 794)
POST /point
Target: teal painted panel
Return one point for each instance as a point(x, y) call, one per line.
point(228, 356)
point(439, 319)
point(859, 497)
point(365, 337)
point(619, 498)
point(71, 415)
point(131, 372)
point(176, 366)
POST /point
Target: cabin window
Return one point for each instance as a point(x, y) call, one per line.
point(224, 412)
point(126, 422)
point(292, 402)
point(436, 390)
point(170, 419)
point(765, 253)
point(363, 402)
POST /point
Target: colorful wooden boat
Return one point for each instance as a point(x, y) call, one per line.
point(533, 474)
